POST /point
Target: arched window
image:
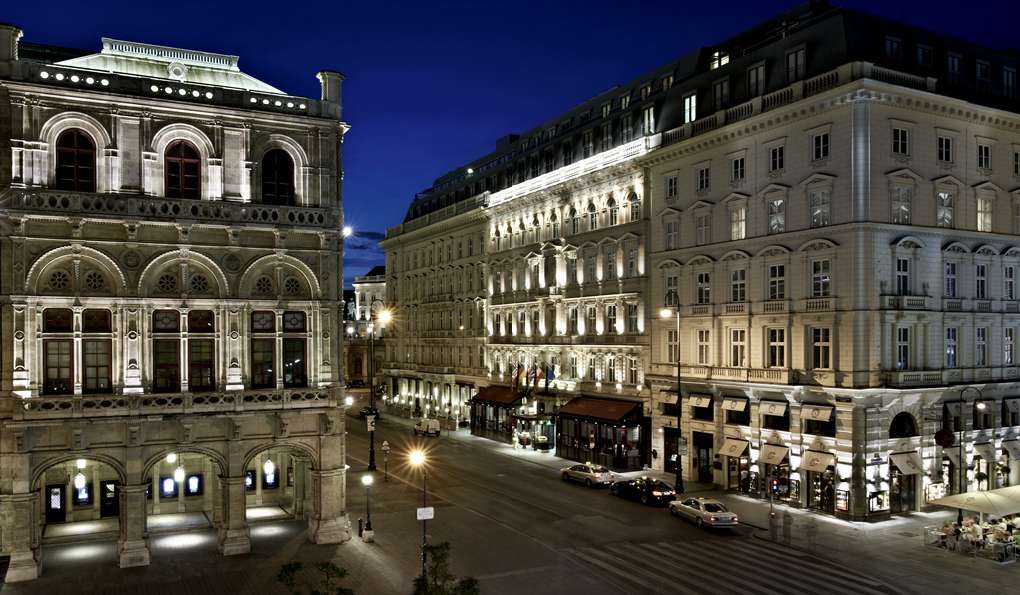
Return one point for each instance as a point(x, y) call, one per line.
point(614, 212)
point(593, 218)
point(903, 426)
point(277, 178)
point(635, 206)
point(183, 166)
point(76, 161)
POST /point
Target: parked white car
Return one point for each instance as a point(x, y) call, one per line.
point(426, 427)
point(704, 512)
point(588, 474)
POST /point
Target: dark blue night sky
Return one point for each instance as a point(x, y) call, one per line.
point(432, 85)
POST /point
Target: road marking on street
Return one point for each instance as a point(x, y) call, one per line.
point(518, 572)
point(747, 565)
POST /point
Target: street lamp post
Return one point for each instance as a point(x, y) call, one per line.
point(384, 317)
point(368, 534)
point(963, 462)
point(417, 459)
point(679, 484)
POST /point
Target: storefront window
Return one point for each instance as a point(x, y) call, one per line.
point(167, 487)
point(878, 501)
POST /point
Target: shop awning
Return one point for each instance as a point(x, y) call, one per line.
point(773, 454)
point(816, 412)
point(699, 400)
point(986, 450)
point(953, 454)
point(1012, 447)
point(733, 447)
point(813, 460)
point(503, 396)
point(777, 408)
point(734, 404)
point(1013, 405)
point(953, 408)
point(909, 463)
point(612, 410)
point(1000, 502)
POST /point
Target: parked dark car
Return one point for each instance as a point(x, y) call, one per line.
point(648, 491)
point(366, 411)
point(356, 384)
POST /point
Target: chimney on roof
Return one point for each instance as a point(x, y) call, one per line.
point(9, 36)
point(331, 82)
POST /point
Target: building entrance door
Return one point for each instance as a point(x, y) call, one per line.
point(704, 452)
point(56, 502)
point(903, 489)
point(109, 499)
point(671, 448)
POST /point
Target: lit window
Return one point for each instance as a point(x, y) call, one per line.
point(690, 107)
point(168, 487)
point(719, 59)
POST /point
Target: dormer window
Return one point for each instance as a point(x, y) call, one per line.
point(719, 59)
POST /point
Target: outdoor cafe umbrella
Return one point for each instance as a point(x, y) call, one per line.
point(997, 503)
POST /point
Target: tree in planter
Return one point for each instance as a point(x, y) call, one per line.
point(980, 477)
point(330, 574)
point(438, 579)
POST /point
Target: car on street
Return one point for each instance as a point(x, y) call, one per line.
point(368, 410)
point(705, 512)
point(588, 474)
point(426, 427)
point(646, 490)
point(356, 384)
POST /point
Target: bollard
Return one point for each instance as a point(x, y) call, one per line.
point(359, 526)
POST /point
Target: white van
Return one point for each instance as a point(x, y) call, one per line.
point(426, 427)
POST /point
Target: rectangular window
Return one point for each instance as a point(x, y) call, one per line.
point(1009, 82)
point(902, 204)
point(951, 347)
point(1009, 282)
point(609, 263)
point(632, 270)
point(984, 156)
point(58, 379)
point(776, 158)
point(672, 346)
point(648, 120)
point(605, 109)
point(672, 234)
point(981, 281)
point(795, 63)
point(981, 346)
point(776, 347)
point(610, 318)
point(201, 372)
point(984, 213)
point(690, 107)
point(901, 141)
point(902, 348)
point(738, 223)
point(983, 74)
point(777, 282)
point(820, 146)
point(902, 276)
point(671, 187)
point(945, 208)
point(950, 280)
point(704, 226)
point(738, 285)
point(704, 288)
point(624, 101)
point(262, 360)
point(590, 315)
point(893, 48)
point(737, 172)
point(821, 280)
point(721, 93)
point(953, 68)
point(756, 80)
point(738, 347)
point(821, 348)
point(704, 178)
point(777, 215)
point(672, 295)
point(572, 321)
point(166, 374)
point(821, 207)
point(704, 346)
point(1008, 346)
point(96, 372)
point(632, 318)
point(945, 149)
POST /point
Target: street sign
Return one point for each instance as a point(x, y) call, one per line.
point(426, 513)
point(370, 422)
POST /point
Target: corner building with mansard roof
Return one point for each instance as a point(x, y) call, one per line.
point(171, 266)
point(827, 205)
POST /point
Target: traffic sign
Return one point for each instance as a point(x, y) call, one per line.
point(370, 422)
point(426, 513)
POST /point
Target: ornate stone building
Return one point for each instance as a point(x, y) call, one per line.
point(364, 332)
point(169, 271)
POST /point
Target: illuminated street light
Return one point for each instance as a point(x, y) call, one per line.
point(417, 459)
point(348, 401)
point(348, 231)
point(666, 313)
point(367, 481)
point(79, 481)
point(80, 464)
point(171, 458)
point(179, 474)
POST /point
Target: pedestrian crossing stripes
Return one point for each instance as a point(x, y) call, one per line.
point(723, 565)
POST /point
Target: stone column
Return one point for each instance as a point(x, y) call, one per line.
point(132, 549)
point(19, 523)
point(328, 521)
point(299, 487)
point(233, 534)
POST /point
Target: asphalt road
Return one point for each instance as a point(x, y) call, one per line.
point(518, 528)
